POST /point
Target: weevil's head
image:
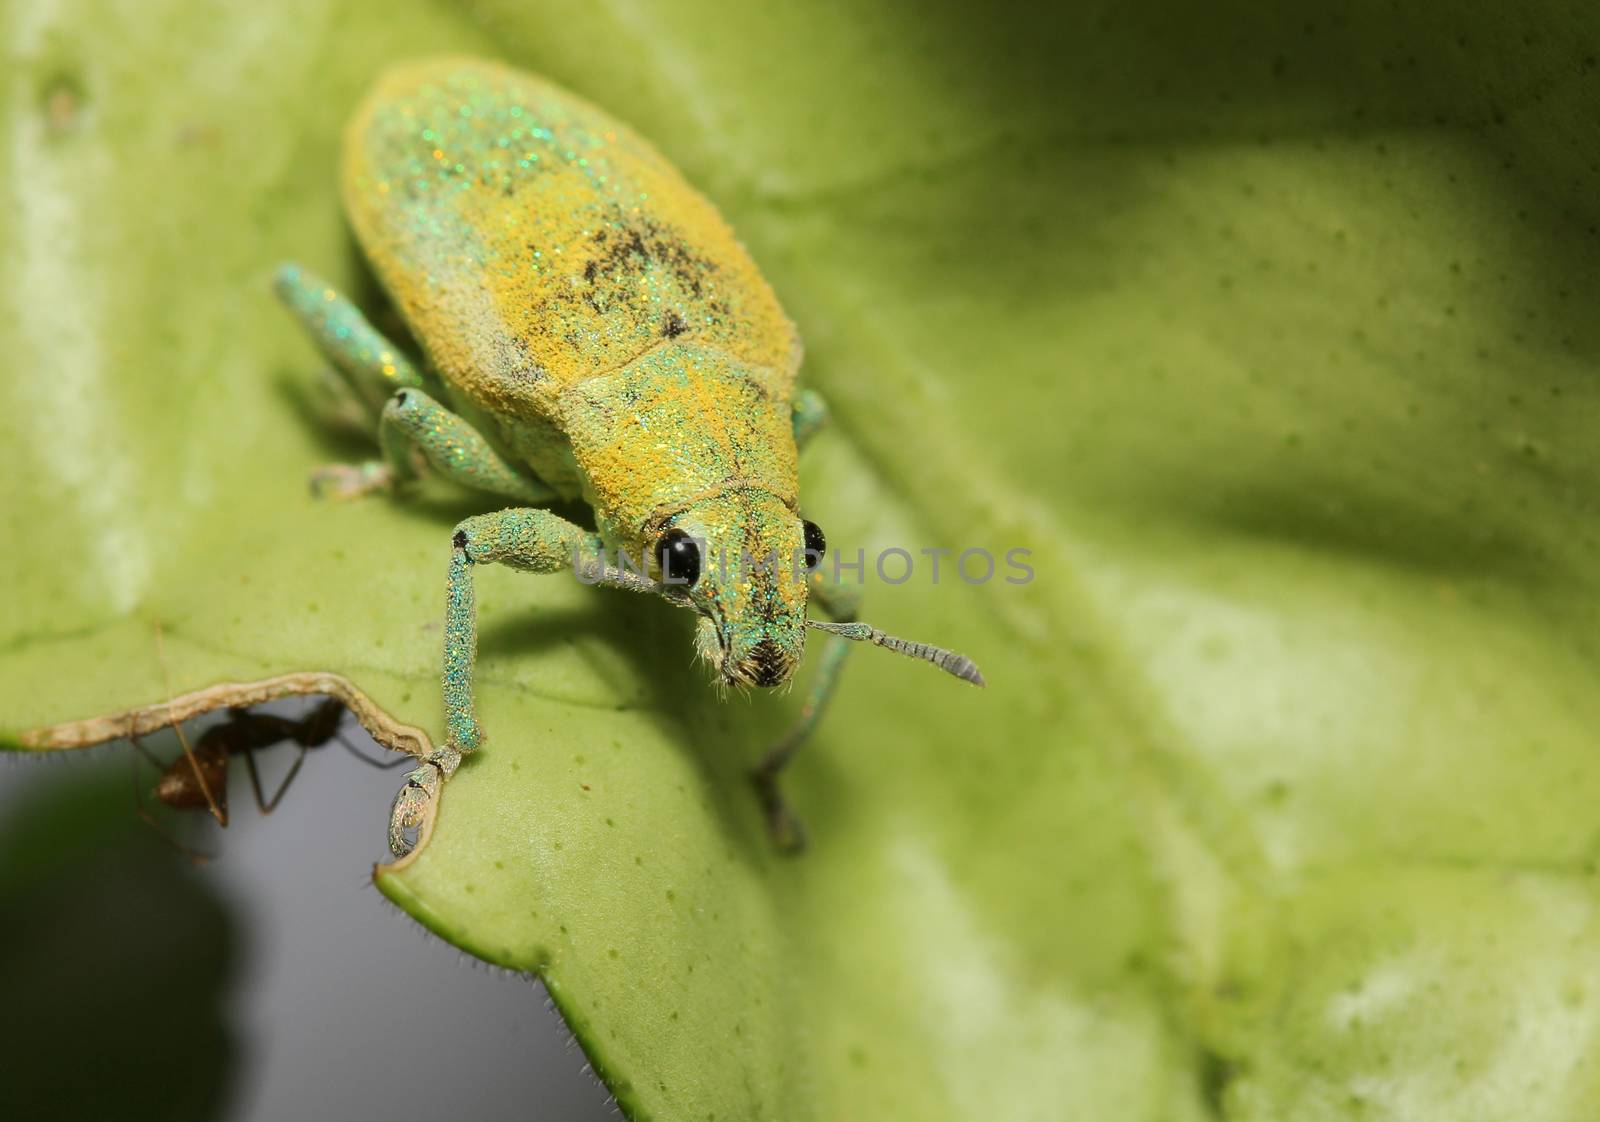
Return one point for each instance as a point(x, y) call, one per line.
point(743, 558)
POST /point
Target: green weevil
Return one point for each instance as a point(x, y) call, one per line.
point(592, 330)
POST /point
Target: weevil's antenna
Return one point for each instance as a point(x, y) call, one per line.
point(948, 661)
point(609, 576)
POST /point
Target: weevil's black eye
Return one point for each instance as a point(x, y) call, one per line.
point(678, 557)
point(816, 545)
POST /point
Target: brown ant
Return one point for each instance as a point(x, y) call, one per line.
point(198, 779)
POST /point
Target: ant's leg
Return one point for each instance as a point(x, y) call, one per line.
point(324, 722)
point(143, 810)
point(842, 603)
point(265, 805)
point(385, 765)
point(216, 803)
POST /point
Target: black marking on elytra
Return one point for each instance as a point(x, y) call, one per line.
point(673, 325)
point(636, 244)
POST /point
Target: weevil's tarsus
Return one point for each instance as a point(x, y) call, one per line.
point(347, 482)
point(416, 806)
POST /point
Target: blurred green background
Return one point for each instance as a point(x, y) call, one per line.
point(1270, 333)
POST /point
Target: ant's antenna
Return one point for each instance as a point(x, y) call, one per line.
point(212, 805)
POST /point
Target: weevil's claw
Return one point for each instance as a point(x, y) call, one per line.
point(783, 825)
point(343, 482)
point(417, 803)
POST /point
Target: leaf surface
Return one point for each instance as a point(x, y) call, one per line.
point(1270, 335)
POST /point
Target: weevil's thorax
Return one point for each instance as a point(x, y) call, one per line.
point(531, 240)
point(679, 425)
point(688, 438)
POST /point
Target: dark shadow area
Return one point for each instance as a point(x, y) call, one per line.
point(117, 961)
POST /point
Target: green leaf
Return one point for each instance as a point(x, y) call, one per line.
point(1270, 334)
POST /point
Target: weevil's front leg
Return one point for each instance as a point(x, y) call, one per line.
point(841, 602)
point(808, 414)
point(534, 541)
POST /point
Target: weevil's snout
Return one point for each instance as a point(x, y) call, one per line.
point(746, 558)
point(766, 662)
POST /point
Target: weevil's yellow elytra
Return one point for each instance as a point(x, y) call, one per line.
point(534, 244)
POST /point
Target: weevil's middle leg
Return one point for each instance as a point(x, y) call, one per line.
point(414, 424)
point(842, 603)
point(809, 412)
point(531, 540)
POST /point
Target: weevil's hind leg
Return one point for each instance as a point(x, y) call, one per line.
point(809, 413)
point(531, 540)
point(369, 363)
point(788, 833)
point(371, 366)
